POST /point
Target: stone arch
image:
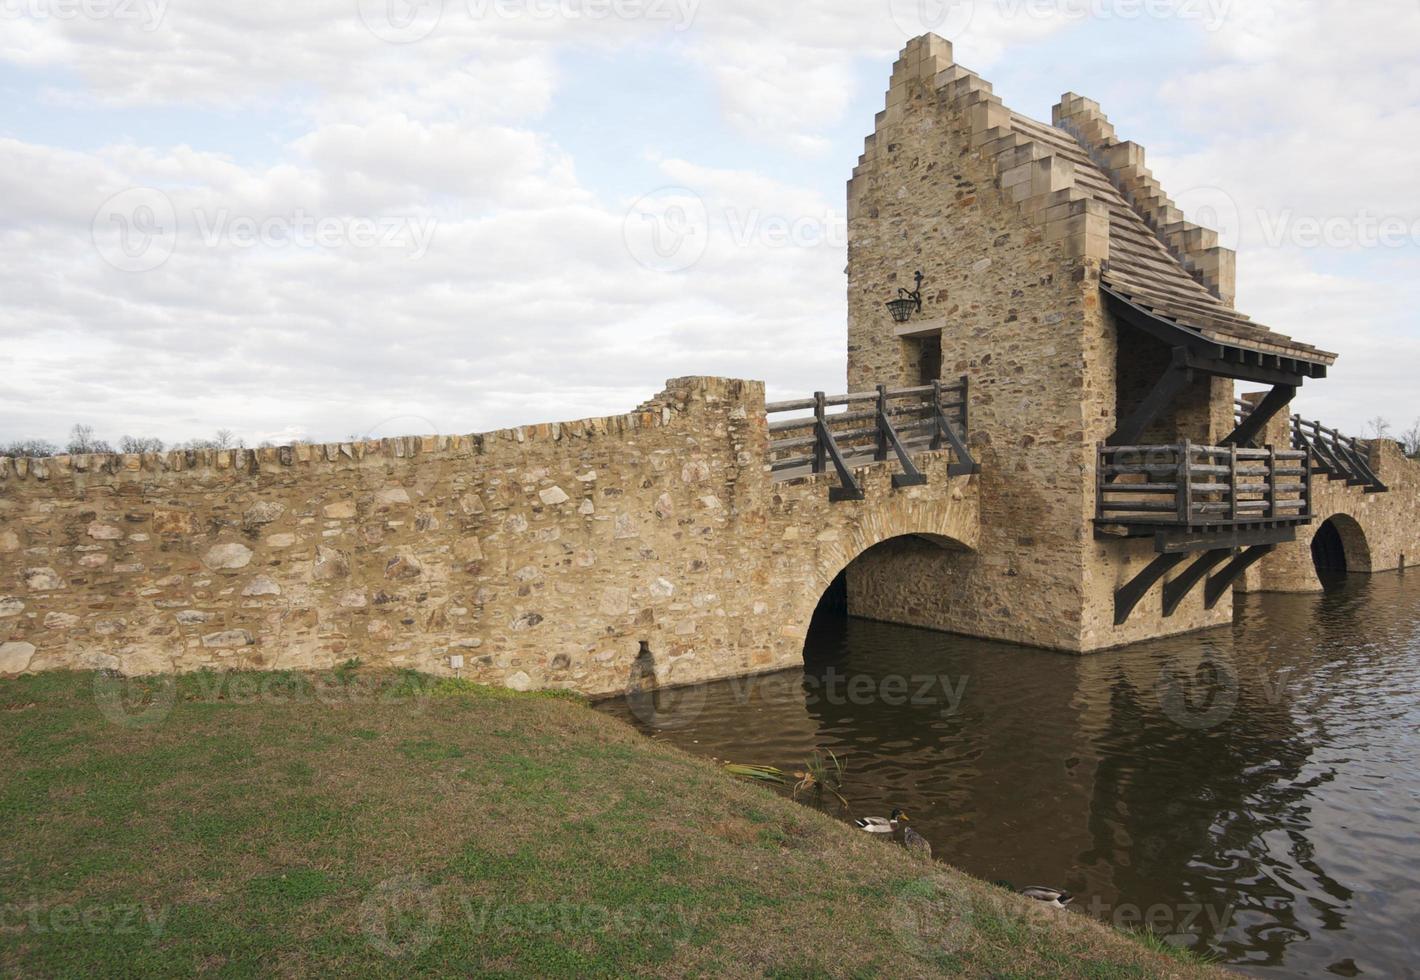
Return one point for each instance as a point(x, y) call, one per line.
point(1340, 545)
point(947, 520)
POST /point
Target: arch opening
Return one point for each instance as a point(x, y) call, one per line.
point(892, 581)
point(1339, 547)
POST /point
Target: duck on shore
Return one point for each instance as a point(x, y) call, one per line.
point(916, 844)
point(881, 825)
point(1054, 897)
point(897, 826)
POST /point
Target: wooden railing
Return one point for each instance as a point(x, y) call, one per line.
point(1339, 456)
point(872, 427)
point(1185, 485)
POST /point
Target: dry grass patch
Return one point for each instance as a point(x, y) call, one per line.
point(459, 830)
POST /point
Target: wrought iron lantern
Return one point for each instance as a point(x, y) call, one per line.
point(906, 303)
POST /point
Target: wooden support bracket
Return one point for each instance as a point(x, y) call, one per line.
point(1223, 581)
point(1176, 378)
point(910, 476)
point(851, 489)
point(965, 465)
point(1128, 596)
point(1265, 411)
point(1177, 590)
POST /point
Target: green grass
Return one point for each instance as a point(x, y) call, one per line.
point(394, 825)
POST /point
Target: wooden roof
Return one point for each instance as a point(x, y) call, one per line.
point(1143, 270)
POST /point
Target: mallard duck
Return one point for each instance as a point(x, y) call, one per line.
point(1050, 896)
point(879, 825)
point(916, 843)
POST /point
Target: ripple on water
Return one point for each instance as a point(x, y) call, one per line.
point(1288, 816)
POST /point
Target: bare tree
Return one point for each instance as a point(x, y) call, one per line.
point(31, 448)
point(227, 439)
point(82, 440)
point(1379, 427)
point(140, 444)
point(1410, 439)
point(223, 439)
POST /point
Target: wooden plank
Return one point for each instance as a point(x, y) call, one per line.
point(1183, 541)
point(820, 427)
point(1143, 506)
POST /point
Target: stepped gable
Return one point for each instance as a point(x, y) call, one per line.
point(1092, 193)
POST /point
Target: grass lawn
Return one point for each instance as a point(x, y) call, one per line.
point(383, 824)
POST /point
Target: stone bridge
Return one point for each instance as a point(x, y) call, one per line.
point(1361, 522)
point(1041, 447)
point(545, 556)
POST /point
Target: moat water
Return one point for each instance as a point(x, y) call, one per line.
point(1252, 792)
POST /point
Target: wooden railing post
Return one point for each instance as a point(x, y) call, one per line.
point(820, 450)
point(1233, 482)
point(1307, 483)
point(881, 453)
point(965, 406)
point(936, 415)
point(1271, 481)
point(1185, 483)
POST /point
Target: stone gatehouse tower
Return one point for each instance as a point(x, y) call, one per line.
point(1083, 308)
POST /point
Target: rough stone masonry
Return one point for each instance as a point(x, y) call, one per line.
point(577, 555)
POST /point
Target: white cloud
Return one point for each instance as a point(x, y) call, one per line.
point(528, 304)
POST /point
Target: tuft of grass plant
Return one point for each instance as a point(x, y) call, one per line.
point(821, 775)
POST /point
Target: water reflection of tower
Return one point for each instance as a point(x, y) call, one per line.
point(1199, 765)
point(1001, 785)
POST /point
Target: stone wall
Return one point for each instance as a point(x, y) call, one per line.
point(545, 556)
point(1012, 253)
point(1380, 531)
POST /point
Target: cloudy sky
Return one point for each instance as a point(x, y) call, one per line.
point(336, 217)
